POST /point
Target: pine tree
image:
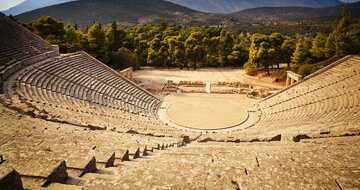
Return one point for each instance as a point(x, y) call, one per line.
point(318, 47)
point(345, 37)
point(302, 51)
point(287, 49)
point(194, 48)
point(98, 43)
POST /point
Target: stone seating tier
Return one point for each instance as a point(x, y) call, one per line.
point(20, 47)
point(34, 151)
point(327, 98)
point(97, 86)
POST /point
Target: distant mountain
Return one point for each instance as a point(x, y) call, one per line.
point(229, 6)
point(128, 12)
point(30, 5)
point(350, 1)
point(265, 14)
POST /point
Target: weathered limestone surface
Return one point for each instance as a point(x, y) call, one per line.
point(315, 164)
point(44, 152)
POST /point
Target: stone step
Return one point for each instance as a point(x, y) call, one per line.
point(59, 186)
point(9, 179)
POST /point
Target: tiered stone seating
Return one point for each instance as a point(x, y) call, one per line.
point(314, 164)
point(113, 120)
point(328, 99)
point(323, 104)
point(45, 152)
point(75, 87)
point(79, 78)
point(20, 47)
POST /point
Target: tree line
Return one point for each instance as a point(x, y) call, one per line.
point(176, 46)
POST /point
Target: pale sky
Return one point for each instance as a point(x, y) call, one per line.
point(6, 4)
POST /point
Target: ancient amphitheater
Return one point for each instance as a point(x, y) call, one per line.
point(70, 122)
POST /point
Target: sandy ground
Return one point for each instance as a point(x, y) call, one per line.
point(212, 75)
point(204, 75)
point(207, 111)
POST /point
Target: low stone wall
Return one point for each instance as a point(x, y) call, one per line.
point(192, 83)
point(232, 84)
point(128, 72)
point(218, 88)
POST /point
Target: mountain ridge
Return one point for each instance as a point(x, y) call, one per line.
point(30, 5)
point(210, 6)
point(295, 13)
point(230, 6)
point(127, 12)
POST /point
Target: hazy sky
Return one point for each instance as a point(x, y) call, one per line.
point(6, 4)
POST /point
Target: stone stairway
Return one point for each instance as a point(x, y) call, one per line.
point(311, 164)
point(76, 182)
point(328, 163)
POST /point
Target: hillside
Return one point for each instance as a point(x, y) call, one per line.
point(295, 13)
point(289, 20)
point(128, 12)
point(30, 5)
point(229, 6)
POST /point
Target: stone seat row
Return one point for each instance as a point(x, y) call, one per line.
point(315, 104)
point(347, 71)
point(17, 43)
point(44, 95)
point(65, 84)
point(326, 103)
point(331, 95)
point(83, 113)
point(55, 99)
point(35, 152)
point(330, 111)
point(247, 166)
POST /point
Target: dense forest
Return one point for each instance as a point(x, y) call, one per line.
point(168, 45)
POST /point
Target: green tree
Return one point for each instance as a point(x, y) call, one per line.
point(115, 37)
point(225, 48)
point(345, 37)
point(239, 55)
point(98, 43)
point(141, 48)
point(318, 47)
point(179, 56)
point(287, 49)
point(264, 55)
point(123, 58)
point(51, 30)
point(194, 48)
point(175, 50)
point(71, 39)
point(302, 51)
point(255, 53)
point(47, 26)
point(157, 53)
point(265, 51)
point(211, 51)
point(276, 41)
